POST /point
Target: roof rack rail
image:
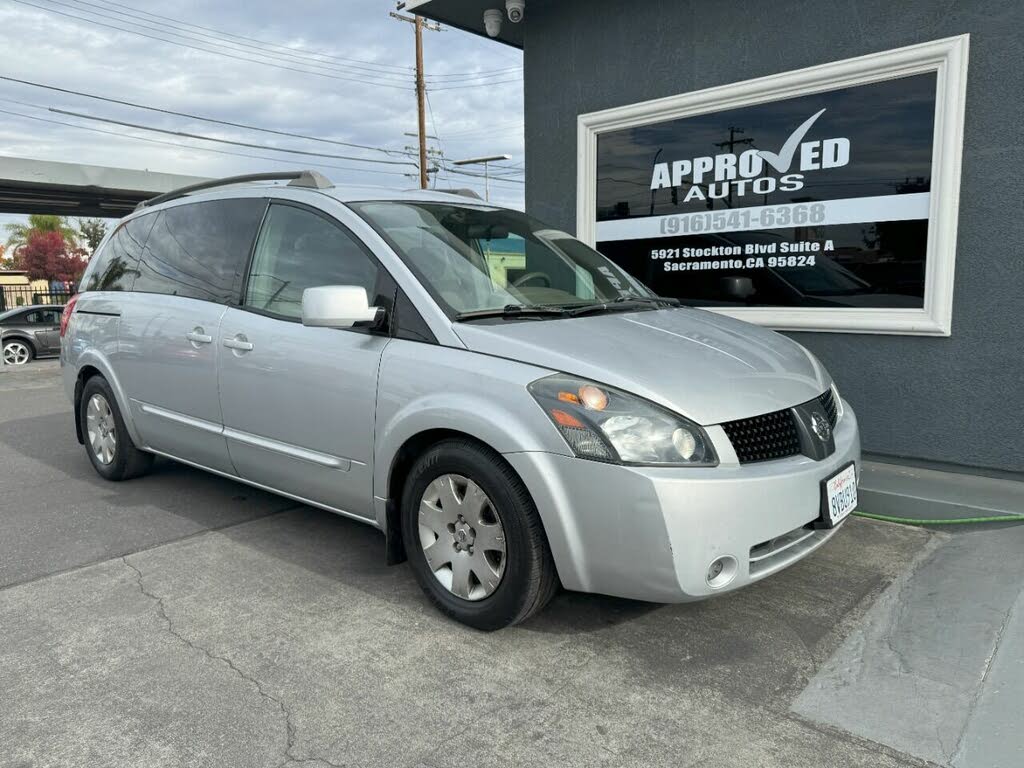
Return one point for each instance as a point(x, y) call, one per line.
point(310, 179)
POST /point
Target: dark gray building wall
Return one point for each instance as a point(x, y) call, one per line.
point(957, 399)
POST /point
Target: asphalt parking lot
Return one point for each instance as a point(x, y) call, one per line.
point(186, 620)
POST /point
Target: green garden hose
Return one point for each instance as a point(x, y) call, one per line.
point(953, 521)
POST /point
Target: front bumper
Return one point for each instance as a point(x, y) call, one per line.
point(650, 533)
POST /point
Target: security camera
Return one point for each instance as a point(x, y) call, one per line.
point(492, 22)
point(516, 9)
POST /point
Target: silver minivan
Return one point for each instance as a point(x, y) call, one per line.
point(510, 408)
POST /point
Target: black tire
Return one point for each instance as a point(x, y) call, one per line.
point(529, 580)
point(128, 461)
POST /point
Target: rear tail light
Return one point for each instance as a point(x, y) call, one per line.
point(69, 308)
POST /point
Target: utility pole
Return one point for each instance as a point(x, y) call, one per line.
point(731, 145)
point(421, 88)
point(421, 98)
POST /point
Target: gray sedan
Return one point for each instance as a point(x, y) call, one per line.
point(30, 332)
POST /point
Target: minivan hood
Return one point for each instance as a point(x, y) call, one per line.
point(705, 366)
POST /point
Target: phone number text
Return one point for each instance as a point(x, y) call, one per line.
point(796, 215)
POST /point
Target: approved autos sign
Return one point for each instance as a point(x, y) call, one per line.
point(818, 200)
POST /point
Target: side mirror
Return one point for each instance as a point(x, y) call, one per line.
point(338, 306)
point(738, 288)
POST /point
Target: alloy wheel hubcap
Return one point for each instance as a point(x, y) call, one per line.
point(100, 427)
point(16, 353)
point(462, 537)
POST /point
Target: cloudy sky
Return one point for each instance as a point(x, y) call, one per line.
point(329, 69)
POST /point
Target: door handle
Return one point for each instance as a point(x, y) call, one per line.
point(197, 336)
point(239, 342)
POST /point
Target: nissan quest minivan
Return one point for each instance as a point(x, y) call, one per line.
point(510, 408)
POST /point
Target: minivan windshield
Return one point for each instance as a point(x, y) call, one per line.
point(477, 260)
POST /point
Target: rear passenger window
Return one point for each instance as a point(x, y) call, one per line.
point(199, 250)
point(299, 249)
point(116, 264)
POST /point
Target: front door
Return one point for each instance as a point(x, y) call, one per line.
point(298, 403)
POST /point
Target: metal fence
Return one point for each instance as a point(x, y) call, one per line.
point(14, 296)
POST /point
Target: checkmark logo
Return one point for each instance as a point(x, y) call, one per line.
point(781, 161)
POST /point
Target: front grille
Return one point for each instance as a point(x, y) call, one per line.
point(763, 438)
point(828, 402)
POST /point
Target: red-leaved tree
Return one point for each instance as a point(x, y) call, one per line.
point(47, 256)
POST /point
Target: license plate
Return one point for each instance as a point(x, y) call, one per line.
point(839, 496)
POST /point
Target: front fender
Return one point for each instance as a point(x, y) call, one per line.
point(503, 428)
point(425, 387)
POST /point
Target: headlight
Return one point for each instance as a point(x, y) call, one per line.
point(606, 424)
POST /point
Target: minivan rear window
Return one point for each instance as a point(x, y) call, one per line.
point(115, 266)
point(199, 250)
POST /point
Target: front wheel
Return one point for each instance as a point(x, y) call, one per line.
point(474, 538)
point(110, 447)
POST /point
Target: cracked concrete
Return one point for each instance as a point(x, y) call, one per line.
point(285, 641)
point(289, 728)
point(90, 676)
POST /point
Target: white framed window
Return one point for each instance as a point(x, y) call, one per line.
point(822, 199)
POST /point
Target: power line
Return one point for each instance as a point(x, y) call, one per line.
point(501, 124)
point(287, 55)
point(476, 75)
point(219, 40)
point(257, 41)
point(440, 144)
point(284, 54)
point(288, 49)
point(454, 87)
point(198, 117)
point(447, 76)
point(214, 52)
point(185, 134)
point(179, 145)
point(232, 53)
point(480, 176)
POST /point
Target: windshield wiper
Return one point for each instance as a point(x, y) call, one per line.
point(512, 310)
point(624, 303)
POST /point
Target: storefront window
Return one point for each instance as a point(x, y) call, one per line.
point(782, 210)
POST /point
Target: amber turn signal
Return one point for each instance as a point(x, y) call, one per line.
point(564, 419)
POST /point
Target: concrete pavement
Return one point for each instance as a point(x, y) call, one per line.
point(186, 620)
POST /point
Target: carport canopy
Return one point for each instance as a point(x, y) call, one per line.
point(72, 189)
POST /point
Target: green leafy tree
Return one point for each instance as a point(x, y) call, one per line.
point(92, 232)
point(18, 235)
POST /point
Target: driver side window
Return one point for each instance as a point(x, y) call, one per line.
point(299, 249)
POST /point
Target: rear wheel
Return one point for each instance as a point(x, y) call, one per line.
point(17, 352)
point(107, 442)
point(474, 538)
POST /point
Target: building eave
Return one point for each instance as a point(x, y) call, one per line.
point(467, 15)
